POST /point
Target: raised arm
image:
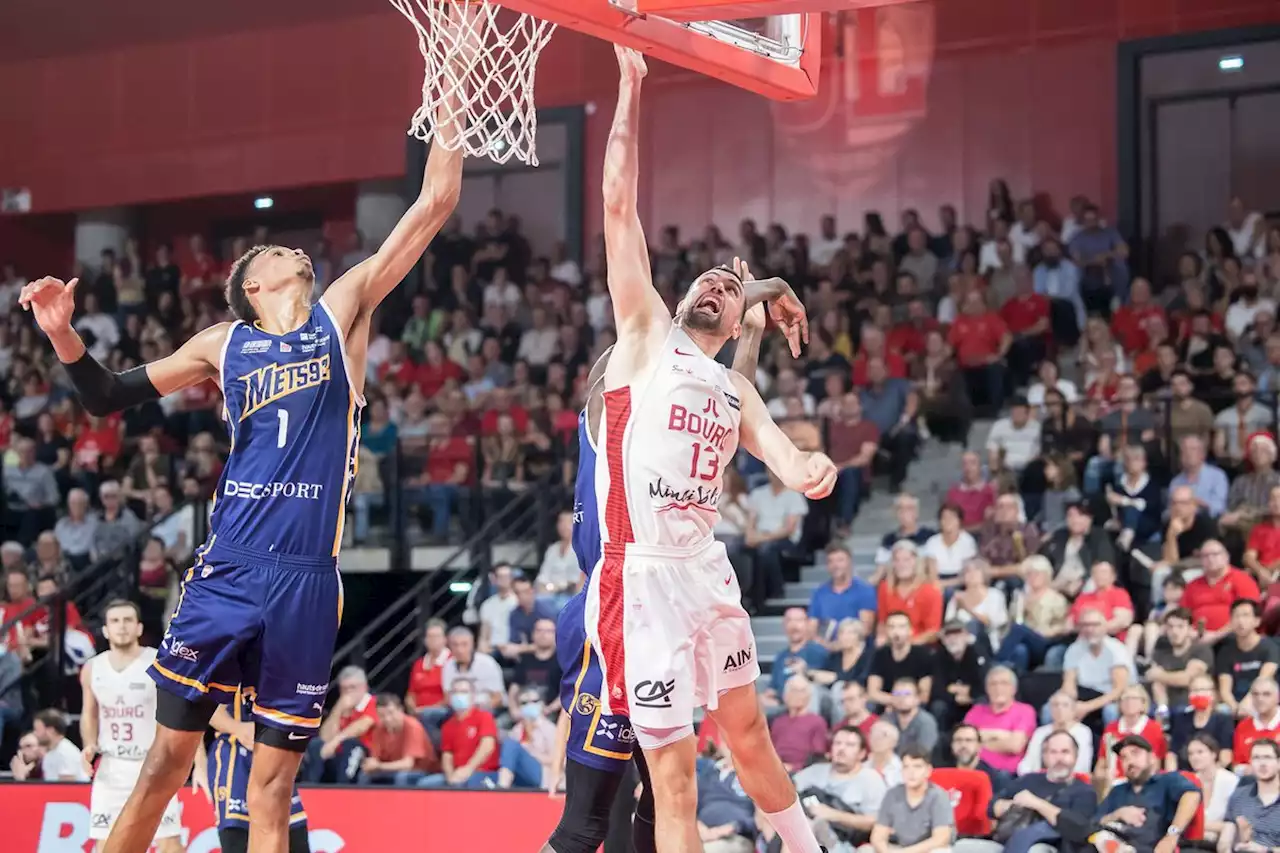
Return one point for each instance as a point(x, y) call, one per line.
point(746, 356)
point(364, 286)
point(102, 391)
point(636, 304)
point(811, 474)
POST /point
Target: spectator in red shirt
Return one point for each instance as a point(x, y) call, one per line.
point(500, 404)
point(436, 370)
point(1113, 602)
point(1262, 724)
point(444, 479)
point(853, 702)
point(18, 599)
point(1129, 323)
point(981, 340)
point(346, 735)
point(873, 346)
point(909, 338)
point(199, 269)
point(468, 741)
point(95, 450)
point(1262, 552)
point(799, 734)
point(425, 696)
point(399, 367)
point(1209, 597)
point(974, 494)
point(402, 753)
point(1026, 315)
point(852, 443)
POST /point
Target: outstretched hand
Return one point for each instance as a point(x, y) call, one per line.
point(631, 63)
point(786, 309)
point(52, 302)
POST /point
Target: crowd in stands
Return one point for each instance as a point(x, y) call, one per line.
point(1094, 597)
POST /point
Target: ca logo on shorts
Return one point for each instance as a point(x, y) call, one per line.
point(101, 821)
point(654, 694)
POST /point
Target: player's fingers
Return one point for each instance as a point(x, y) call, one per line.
point(793, 339)
point(71, 286)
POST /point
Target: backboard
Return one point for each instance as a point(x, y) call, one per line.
point(778, 56)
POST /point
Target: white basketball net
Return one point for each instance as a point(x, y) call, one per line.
point(481, 71)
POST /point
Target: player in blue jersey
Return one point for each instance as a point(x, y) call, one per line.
point(596, 748)
point(225, 769)
point(261, 606)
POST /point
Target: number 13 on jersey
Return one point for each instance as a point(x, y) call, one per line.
point(706, 462)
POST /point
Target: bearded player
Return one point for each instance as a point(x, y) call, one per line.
point(118, 725)
point(260, 608)
point(663, 608)
point(595, 750)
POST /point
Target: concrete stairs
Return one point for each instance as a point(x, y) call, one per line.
point(933, 472)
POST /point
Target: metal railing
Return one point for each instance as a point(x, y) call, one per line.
point(388, 645)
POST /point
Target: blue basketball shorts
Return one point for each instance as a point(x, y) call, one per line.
point(262, 621)
point(604, 742)
point(229, 765)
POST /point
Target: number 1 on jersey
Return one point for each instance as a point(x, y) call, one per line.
point(711, 462)
point(283, 415)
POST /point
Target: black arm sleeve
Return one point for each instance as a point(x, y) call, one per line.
point(103, 392)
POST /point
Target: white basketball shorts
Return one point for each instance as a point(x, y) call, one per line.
point(670, 632)
point(112, 784)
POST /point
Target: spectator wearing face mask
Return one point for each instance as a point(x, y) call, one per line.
point(527, 753)
point(1200, 717)
point(468, 741)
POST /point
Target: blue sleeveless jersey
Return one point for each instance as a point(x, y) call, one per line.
point(228, 770)
point(603, 742)
point(294, 418)
point(586, 523)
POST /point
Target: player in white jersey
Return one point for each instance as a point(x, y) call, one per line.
point(663, 609)
point(118, 725)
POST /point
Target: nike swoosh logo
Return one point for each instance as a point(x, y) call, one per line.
point(728, 580)
point(685, 354)
point(293, 736)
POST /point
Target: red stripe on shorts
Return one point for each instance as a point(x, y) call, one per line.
point(617, 532)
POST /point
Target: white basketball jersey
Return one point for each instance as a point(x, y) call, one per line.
point(126, 705)
point(663, 446)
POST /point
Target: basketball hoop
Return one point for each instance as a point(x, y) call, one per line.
point(481, 71)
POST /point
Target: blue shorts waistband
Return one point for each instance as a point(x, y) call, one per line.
point(220, 548)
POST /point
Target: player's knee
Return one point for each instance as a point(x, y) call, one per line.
point(750, 733)
point(166, 767)
point(675, 789)
point(270, 793)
